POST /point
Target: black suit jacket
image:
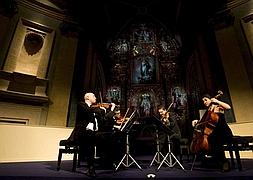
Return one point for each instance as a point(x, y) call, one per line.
point(85, 115)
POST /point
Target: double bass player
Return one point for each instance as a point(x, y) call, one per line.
point(216, 131)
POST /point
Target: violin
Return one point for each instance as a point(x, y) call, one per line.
point(119, 119)
point(105, 105)
point(203, 129)
point(165, 117)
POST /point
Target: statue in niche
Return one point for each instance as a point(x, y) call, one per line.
point(145, 105)
point(122, 46)
point(113, 94)
point(179, 97)
point(143, 35)
point(165, 46)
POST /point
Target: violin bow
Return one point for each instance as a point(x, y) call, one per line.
point(100, 96)
point(170, 106)
point(124, 118)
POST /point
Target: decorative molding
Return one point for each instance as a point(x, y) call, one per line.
point(24, 83)
point(14, 120)
point(247, 18)
point(233, 4)
point(23, 98)
point(45, 10)
point(37, 26)
point(224, 17)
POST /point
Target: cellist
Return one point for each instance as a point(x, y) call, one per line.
point(221, 132)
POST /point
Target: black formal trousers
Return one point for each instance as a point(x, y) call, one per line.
point(106, 147)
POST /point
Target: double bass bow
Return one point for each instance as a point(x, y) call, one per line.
point(203, 129)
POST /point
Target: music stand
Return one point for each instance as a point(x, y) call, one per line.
point(126, 128)
point(169, 154)
point(158, 154)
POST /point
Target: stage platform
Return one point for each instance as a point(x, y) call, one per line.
point(46, 170)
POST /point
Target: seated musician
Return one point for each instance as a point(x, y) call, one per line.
point(90, 131)
point(220, 134)
point(174, 132)
point(118, 119)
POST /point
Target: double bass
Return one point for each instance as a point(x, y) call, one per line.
point(203, 129)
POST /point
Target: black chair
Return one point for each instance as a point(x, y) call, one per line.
point(184, 148)
point(239, 143)
point(68, 147)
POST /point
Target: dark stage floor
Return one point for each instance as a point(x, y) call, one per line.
point(47, 170)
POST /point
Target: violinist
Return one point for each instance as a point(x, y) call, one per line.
point(111, 113)
point(89, 132)
point(220, 134)
point(170, 121)
point(118, 119)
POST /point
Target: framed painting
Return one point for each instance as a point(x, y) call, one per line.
point(144, 70)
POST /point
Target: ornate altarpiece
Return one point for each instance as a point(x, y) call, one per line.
point(145, 68)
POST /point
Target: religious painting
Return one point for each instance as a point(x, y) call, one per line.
point(144, 70)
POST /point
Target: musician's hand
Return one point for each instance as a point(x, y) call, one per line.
point(113, 105)
point(194, 122)
point(214, 100)
point(101, 107)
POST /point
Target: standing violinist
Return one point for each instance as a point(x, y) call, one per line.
point(221, 132)
point(174, 133)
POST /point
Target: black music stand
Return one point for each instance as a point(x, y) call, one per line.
point(158, 155)
point(125, 160)
point(169, 156)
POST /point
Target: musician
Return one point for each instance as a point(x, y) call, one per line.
point(89, 131)
point(221, 133)
point(118, 119)
point(169, 120)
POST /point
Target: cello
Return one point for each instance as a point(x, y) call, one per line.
point(203, 129)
